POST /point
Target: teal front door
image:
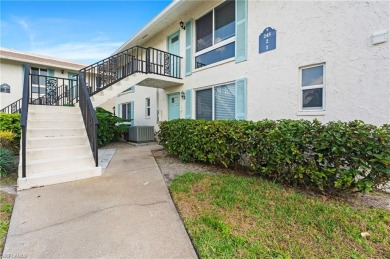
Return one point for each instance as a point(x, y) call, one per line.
point(173, 106)
point(174, 48)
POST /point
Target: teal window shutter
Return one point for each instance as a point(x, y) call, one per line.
point(241, 30)
point(132, 113)
point(241, 99)
point(118, 111)
point(50, 72)
point(188, 58)
point(188, 104)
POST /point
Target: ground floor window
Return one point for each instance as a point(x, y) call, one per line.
point(216, 103)
point(147, 107)
point(126, 111)
point(312, 88)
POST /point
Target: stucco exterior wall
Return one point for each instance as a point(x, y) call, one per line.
point(138, 97)
point(11, 73)
point(337, 34)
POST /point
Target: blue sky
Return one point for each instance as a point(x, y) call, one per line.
point(80, 31)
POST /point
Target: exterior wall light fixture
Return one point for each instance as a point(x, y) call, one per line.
point(182, 25)
point(183, 95)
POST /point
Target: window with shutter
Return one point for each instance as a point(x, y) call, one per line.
point(218, 102)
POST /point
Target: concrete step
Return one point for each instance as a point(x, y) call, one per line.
point(63, 151)
point(56, 142)
point(54, 132)
point(54, 116)
point(34, 167)
point(60, 124)
point(58, 176)
point(54, 109)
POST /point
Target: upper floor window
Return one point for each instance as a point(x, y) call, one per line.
point(312, 88)
point(215, 35)
point(38, 80)
point(5, 88)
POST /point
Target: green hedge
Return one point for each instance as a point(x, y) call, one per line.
point(10, 122)
point(333, 156)
point(108, 130)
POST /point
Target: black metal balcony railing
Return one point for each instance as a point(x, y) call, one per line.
point(49, 90)
point(137, 59)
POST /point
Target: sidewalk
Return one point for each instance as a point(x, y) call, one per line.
point(126, 213)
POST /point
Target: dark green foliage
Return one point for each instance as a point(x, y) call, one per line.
point(109, 130)
point(10, 122)
point(333, 156)
point(6, 161)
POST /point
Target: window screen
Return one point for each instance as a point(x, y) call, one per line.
point(204, 104)
point(224, 102)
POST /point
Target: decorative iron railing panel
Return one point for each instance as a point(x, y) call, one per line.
point(137, 59)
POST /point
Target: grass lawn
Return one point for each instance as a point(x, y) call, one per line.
point(234, 216)
point(6, 204)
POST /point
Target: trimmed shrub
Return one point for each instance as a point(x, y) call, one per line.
point(337, 156)
point(10, 122)
point(6, 161)
point(8, 140)
point(109, 130)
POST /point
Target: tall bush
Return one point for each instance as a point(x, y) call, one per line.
point(8, 140)
point(109, 130)
point(6, 161)
point(10, 122)
point(333, 156)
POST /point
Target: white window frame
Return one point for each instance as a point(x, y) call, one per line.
point(322, 86)
point(213, 46)
point(212, 96)
point(147, 107)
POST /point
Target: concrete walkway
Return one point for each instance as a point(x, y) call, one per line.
point(126, 213)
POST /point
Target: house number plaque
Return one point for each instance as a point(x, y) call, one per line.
point(267, 40)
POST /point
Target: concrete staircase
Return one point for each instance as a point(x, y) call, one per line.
point(115, 89)
point(57, 147)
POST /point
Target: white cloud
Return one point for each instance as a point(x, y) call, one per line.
point(85, 52)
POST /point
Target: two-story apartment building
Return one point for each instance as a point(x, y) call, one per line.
point(259, 59)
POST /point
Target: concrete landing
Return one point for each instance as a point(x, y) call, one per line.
point(125, 213)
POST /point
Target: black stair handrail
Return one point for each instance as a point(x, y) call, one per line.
point(89, 117)
point(113, 69)
point(15, 107)
point(24, 116)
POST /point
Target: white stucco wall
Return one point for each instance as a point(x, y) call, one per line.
point(11, 73)
point(138, 97)
point(337, 34)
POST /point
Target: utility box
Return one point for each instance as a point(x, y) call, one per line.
point(141, 134)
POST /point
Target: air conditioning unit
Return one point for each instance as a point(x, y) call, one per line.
point(141, 134)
